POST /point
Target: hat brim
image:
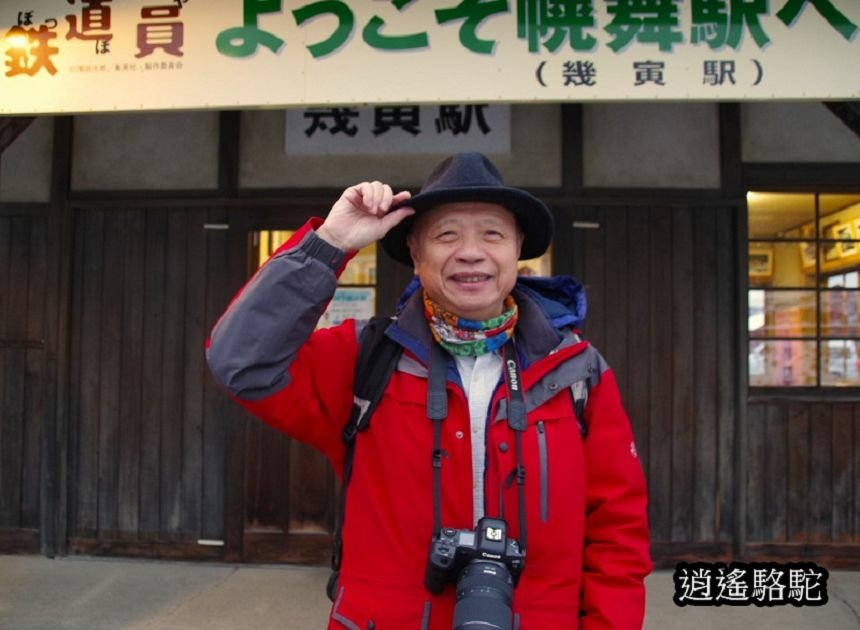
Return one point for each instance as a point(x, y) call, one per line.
point(531, 213)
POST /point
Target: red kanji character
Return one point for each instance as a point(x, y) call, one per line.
point(25, 43)
point(95, 17)
point(168, 36)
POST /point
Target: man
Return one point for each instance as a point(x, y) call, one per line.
point(568, 486)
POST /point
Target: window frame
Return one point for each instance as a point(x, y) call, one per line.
point(811, 392)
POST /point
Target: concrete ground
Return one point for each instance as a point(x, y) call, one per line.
point(81, 593)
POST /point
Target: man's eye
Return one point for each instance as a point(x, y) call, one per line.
point(447, 235)
point(494, 234)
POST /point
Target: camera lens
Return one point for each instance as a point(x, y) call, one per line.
point(484, 595)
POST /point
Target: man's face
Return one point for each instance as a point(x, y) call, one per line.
point(466, 254)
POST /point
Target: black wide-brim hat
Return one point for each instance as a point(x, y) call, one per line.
point(472, 177)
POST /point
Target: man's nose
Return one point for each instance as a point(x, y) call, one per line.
point(471, 249)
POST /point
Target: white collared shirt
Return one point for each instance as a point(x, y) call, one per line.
point(479, 375)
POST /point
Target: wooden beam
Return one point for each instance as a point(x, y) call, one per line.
point(572, 160)
point(228, 153)
point(27, 344)
point(11, 128)
point(666, 555)
point(17, 541)
point(848, 112)
point(166, 550)
point(731, 159)
point(822, 177)
point(58, 294)
point(829, 555)
point(308, 549)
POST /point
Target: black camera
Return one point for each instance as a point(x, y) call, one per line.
point(485, 565)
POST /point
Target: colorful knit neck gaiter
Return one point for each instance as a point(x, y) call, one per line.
point(466, 337)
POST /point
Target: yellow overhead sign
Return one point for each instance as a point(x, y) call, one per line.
point(106, 55)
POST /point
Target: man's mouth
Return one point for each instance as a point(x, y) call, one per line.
point(470, 278)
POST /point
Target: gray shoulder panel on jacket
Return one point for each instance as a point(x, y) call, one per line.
point(588, 365)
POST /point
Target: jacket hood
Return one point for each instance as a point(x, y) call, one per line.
point(560, 298)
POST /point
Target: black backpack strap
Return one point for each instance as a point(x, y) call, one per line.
point(579, 393)
point(377, 359)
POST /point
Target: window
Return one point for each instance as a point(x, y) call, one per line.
point(537, 266)
point(804, 285)
point(355, 296)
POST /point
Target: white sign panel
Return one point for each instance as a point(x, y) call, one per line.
point(111, 55)
point(399, 129)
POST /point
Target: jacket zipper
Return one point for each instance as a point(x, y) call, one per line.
point(543, 460)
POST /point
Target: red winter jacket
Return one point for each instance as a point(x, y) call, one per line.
point(587, 532)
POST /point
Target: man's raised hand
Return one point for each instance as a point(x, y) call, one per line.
point(363, 215)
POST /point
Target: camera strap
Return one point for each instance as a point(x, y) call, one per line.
point(518, 422)
point(437, 411)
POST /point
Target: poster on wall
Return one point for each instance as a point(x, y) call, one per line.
point(70, 56)
point(349, 303)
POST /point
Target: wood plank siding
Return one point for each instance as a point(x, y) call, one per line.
point(23, 280)
point(148, 425)
point(155, 457)
point(803, 489)
point(661, 310)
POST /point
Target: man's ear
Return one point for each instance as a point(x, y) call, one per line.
point(412, 244)
point(521, 237)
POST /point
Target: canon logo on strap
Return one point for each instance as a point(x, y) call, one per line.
point(512, 374)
